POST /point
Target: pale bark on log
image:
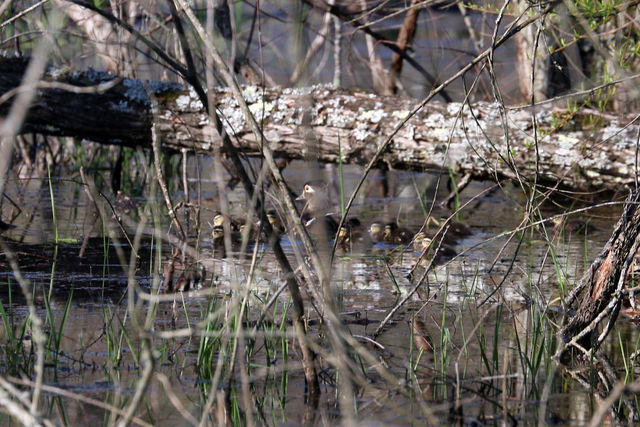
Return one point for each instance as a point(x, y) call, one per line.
point(323, 124)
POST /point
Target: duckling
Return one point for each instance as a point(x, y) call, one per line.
point(396, 235)
point(418, 239)
point(124, 203)
point(253, 231)
point(376, 232)
point(425, 243)
point(256, 233)
point(275, 222)
point(351, 237)
point(459, 229)
point(217, 241)
point(573, 225)
point(456, 228)
point(220, 219)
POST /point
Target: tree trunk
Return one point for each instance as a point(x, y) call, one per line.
point(527, 49)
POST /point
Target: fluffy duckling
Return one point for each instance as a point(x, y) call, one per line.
point(572, 225)
point(423, 243)
point(459, 229)
point(376, 232)
point(396, 235)
point(253, 231)
point(456, 229)
point(351, 237)
point(275, 222)
point(418, 239)
point(257, 233)
point(217, 240)
point(219, 220)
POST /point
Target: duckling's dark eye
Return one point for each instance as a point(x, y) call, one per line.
point(308, 189)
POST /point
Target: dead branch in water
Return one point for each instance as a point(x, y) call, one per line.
point(602, 288)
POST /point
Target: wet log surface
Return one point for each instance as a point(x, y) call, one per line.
point(583, 151)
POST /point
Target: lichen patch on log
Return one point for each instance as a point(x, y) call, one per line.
point(584, 150)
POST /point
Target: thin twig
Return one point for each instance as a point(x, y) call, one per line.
point(155, 142)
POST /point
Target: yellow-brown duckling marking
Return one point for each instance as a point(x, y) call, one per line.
point(219, 220)
point(396, 235)
point(217, 236)
point(275, 222)
point(376, 232)
point(423, 243)
point(572, 225)
point(352, 238)
point(252, 231)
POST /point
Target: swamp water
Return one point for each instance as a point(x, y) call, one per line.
point(472, 344)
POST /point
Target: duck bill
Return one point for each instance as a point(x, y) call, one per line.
point(300, 197)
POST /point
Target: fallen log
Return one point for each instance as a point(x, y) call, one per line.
point(584, 151)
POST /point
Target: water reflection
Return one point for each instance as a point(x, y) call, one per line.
point(476, 310)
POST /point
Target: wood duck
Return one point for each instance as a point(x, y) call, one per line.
point(189, 280)
point(422, 242)
point(316, 196)
point(352, 238)
point(315, 214)
point(253, 231)
point(455, 229)
point(219, 220)
point(217, 240)
point(376, 232)
point(573, 225)
point(418, 239)
point(324, 226)
point(191, 275)
point(396, 235)
point(275, 222)
point(217, 236)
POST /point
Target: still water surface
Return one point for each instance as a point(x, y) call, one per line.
point(478, 330)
